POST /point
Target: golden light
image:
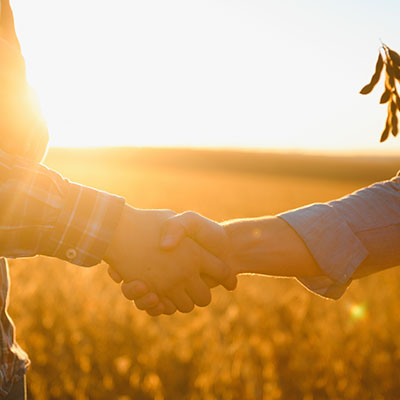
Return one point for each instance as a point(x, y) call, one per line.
point(358, 311)
point(232, 74)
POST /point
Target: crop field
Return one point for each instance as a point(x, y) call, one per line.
point(269, 339)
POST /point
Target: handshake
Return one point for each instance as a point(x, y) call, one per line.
point(169, 261)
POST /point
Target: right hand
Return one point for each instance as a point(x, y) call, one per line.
point(207, 233)
point(173, 275)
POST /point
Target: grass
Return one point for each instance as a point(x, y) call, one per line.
point(270, 339)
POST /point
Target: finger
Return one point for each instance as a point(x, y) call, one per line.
point(134, 290)
point(230, 283)
point(210, 282)
point(156, 311)
point(198, 291)
point(213, 266)
point(169, 307)
point(114, 275)
point(147, 302)
point(181, 300)
point(172, 233)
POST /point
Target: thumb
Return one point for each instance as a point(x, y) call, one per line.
point(206, 232)
point(172, 233)
point(229, 283)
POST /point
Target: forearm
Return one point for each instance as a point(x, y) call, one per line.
point(41, 212)
point(268, 246)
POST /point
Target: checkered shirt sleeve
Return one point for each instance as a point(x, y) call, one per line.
point(42, 213)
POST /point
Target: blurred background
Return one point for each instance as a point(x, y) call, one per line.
point(236, 108)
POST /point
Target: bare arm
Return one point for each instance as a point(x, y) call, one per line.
point(268, 246)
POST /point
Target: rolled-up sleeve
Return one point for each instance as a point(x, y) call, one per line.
point(362, 228)
point(43, 213)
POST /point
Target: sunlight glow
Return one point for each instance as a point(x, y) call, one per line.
point(358, 312)
point(244, 73)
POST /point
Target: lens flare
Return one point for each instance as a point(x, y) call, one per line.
point(358, 311)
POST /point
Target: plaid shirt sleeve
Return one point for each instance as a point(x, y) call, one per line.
point(41, 212)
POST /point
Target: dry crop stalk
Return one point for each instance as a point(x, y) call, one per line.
point(391, 62)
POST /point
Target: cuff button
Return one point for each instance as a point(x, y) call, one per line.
point(71, 254)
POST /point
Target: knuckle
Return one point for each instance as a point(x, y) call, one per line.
point(190, 219)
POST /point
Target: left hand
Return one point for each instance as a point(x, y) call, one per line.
point(207, 233)
point(174, 275)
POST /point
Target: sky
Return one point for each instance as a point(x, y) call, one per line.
point(258, 74)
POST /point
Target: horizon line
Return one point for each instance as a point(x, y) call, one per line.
point(313, 151)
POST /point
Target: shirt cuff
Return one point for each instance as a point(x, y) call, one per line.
point(334, 246)
point(324, 286)
point(84, 227)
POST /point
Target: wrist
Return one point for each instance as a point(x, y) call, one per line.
point(257, 246)
point(113, 248)
point(241, 234)
point(268, 246)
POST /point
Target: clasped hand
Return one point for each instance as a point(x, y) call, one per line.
point(162, 268)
